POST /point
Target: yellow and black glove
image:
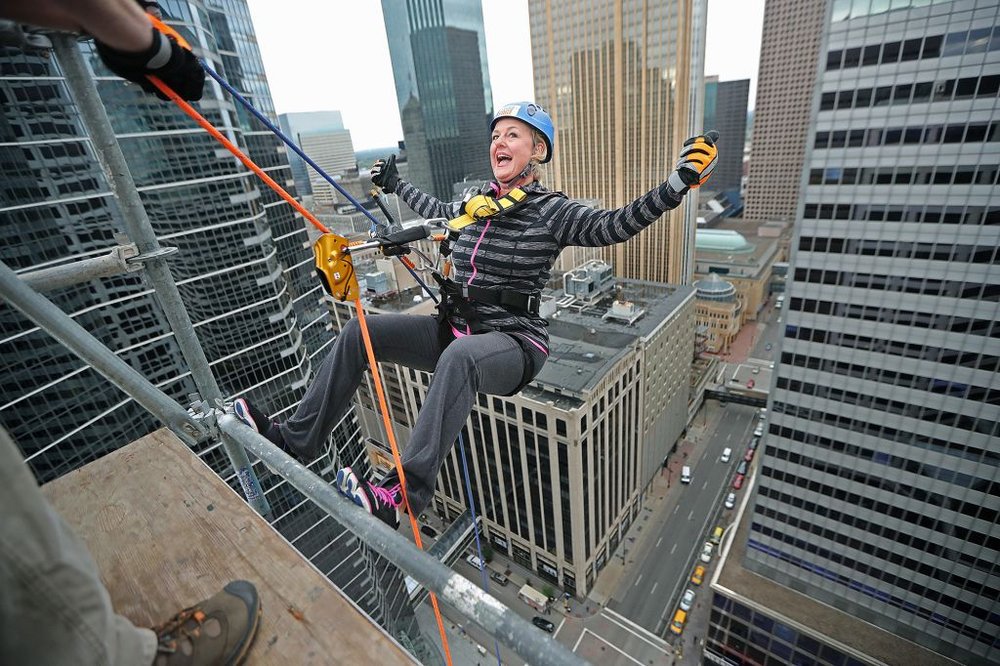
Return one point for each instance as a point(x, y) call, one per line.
point(696, 163)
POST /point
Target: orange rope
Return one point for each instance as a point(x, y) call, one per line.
point(383, 406)
point(384, 409)
point(231, 147)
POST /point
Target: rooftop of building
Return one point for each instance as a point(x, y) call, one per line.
point(795, 608)
point(585, 342)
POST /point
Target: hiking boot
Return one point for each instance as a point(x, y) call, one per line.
point(216, 632)
point(383, 503)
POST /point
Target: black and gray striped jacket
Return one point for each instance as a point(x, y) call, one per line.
point(516, 250)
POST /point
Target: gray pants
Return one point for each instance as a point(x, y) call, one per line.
point(54, 609)
point(485, 363)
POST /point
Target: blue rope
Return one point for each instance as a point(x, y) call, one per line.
point(291, 144)
point(281, 135)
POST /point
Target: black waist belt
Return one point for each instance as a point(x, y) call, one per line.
point(503, 297)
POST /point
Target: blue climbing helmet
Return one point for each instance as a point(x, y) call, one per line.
point(534, 115)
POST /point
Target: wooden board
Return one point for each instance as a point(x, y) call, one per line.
point(166, 532)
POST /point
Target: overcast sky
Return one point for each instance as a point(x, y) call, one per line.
point(325, 57)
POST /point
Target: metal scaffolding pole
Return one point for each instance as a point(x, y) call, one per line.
point(140, 231)
point(454, 589)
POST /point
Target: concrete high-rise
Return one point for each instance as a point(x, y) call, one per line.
point(726, 111)
point(785, 80)
point(872, 531)
point(623, 83)
point(333, 151)
point(243, 269)
point(294, 125)
point(438, 53)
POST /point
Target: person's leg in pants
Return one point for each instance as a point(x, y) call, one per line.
point(485, 363)
point(54, 609)
point(410, 340)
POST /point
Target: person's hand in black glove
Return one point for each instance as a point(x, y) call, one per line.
point(385, 175)
point(696, 163)
point(164, 58)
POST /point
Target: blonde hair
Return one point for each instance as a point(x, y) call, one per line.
point(537, 169)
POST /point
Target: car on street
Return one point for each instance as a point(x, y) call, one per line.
point(687, 600)
point(748, 456)
point(429, 531)
point(498, 578)
point(730, 501)
point(474, 561)
point(717, 535)
point(738, 481)
point(759, 430)
point(698, 575)
point(677, 624)
point(754, 442)
point(726, 455)
point(706, 552)
point(742, 467)
point(543, 624)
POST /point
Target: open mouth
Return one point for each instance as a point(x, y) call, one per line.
point(503, 159)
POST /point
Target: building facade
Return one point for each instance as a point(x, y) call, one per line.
point(623, 82)
point(294, 125)
point(788, 55)
point(729, 117)
point(877, 493)
point(333, 151)
point(438, 53)
point(242, 266)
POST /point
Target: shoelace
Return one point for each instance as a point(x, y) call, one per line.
point(173, 629)
point(389, 496)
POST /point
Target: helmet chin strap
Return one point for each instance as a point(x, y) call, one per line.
point(528, 168)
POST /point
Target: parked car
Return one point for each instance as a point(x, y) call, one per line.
point(748, 456)
point(738, 481)
point(687, 600)
point(759, 430)
point(717, 535)
point(429, 531)
point(499, 578)
point(677, 625)
point(742, 467)
point(706, 552)
point(727, 454)
point(543, 624)
point(730, 501)
point(474, 561)
point(698, 575)
point(754, 441)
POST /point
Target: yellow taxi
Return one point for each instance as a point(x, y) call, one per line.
point(698, 575)
point(677, 624)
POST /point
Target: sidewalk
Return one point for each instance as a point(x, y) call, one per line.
point(659, 502)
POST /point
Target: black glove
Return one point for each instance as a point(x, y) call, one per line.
point(166, 59)
point(384, 174)
point(696, 163)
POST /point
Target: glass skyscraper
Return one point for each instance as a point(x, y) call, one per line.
point(878, 493)
point(438, 53)
point(243, 268)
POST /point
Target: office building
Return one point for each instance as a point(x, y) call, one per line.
point(605, 409)
point(876, 499)
point(726, 112)
point(789, 48)
point(333, 151)
point(242, 266)
point(623, 84)
point(744, 264)
point(294, 125)
point(438, 53)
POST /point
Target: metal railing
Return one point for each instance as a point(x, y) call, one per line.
point(209, 419)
